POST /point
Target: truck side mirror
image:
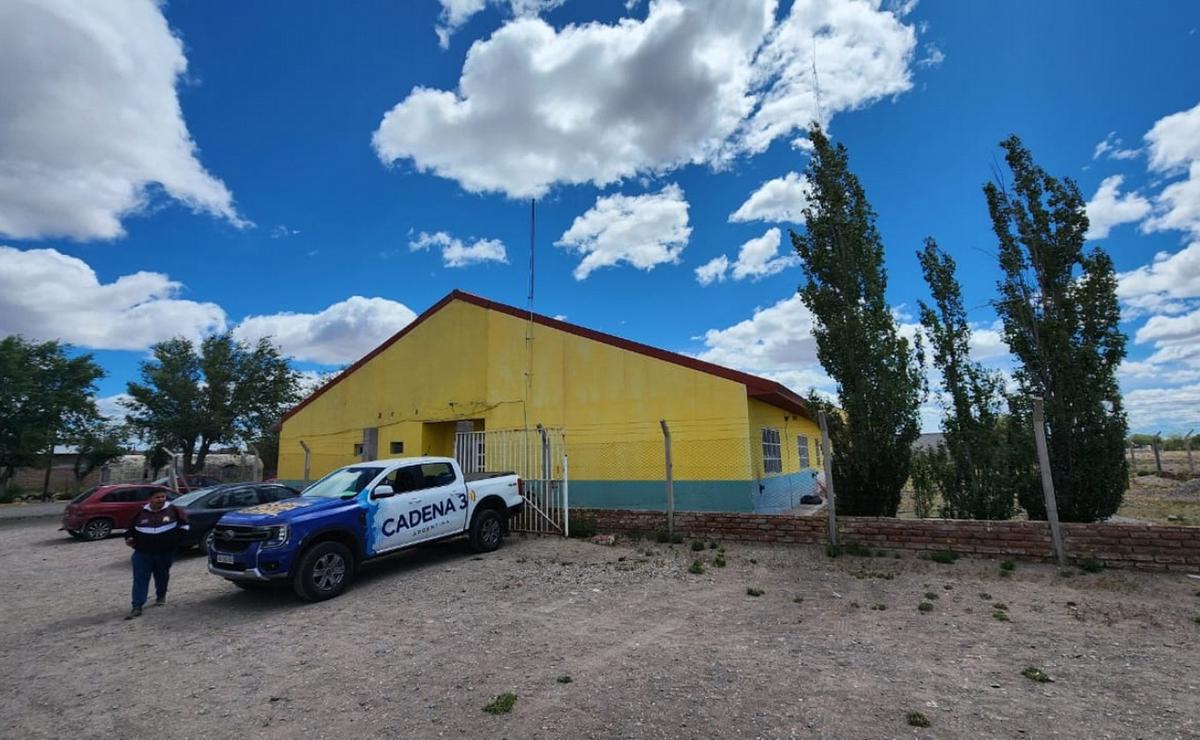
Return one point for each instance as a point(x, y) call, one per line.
point(382, 491)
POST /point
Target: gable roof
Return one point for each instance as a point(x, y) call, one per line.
point(762, 389)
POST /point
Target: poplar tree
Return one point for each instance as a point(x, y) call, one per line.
point(975, 474)
point(878, 374)
point(1059, 307)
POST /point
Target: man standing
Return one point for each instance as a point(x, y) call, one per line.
point(156, 532)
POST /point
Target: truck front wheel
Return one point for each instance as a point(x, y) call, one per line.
point(324, 571)
point(486, 531)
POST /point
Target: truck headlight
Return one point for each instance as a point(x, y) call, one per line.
point(276, 536)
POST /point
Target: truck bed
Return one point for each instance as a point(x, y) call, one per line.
point(484, 475)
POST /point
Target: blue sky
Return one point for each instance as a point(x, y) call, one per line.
point(198, 166)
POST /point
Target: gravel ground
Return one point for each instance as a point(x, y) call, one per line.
point(425, 639)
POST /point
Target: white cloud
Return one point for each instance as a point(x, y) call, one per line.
point(337, 335)
point(113, 407)
point(1108, 208)
point(1174, 143)
point(1169, 278)
point(1174, 140)
point(457, 254)
point(1111, 147)
point(713, 271)
point(457, 12)
point(45, 294)
point(758, 258)
point(987, 342)
point(643, 230)
point(694, 82)
point(775, 342)
point(780, 200)
point(90, 120)
point(933, 56)
point(1168, 409)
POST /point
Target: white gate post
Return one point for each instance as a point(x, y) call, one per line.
point(670, 479)
point(827, 464)
point(566, 499)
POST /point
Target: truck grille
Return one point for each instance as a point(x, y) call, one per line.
point(234, 538)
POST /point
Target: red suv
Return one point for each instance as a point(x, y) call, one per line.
point(94, 514)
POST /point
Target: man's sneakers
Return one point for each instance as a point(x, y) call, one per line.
point(160, 601)
point(134, 613)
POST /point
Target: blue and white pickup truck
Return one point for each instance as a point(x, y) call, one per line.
point(318, 540)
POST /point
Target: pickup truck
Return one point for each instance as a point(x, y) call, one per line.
point(318, 540)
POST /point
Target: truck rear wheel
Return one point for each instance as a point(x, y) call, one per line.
point(486, 531)
point(324, 571)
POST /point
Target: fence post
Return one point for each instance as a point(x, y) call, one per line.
point(670, 479)
point(1155, 443)
point(1039, 433)
point(307, 459)
point(1187, 445)
point(566, 501)
point(827, 466)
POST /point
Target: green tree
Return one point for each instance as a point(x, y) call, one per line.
point(878, 374)
point(97, 441)
point(977, 481)
point(43, 389)
point(1060, 313)
point(191, 398)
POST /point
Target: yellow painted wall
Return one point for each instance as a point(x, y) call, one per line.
point(790, 426)
point(467, 362)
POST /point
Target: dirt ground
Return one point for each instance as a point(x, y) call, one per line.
point(832, 648)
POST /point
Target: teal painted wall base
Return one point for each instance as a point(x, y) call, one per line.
point(651, 495)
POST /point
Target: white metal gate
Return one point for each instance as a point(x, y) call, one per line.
point(539, 457)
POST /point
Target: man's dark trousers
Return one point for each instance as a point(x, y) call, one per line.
point(146, 564)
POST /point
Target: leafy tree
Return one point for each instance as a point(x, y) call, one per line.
point(97, 441)
point(43, 389)
point(977, 479)
point(1060, 313)
point(190, 399)
point(879, 378)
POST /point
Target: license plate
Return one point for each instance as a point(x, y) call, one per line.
point(225, 559)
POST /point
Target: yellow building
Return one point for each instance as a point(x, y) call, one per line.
point(739, 442)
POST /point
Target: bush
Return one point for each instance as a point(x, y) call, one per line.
point(945, 557)
point(925, 606)
point(1008, 565)
point(720, 561)
point(1091, 565)
point(697, 546)
point(916, 719)
point(1036, 674)
point(697, 567)
point(751, 591)
point(676, 539)
point(583, 527)
point(661, 536)
point(502, 704)
point(11, 493)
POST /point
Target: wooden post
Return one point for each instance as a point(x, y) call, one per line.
point(307, 460)
point(1039, 434)
point(49, 467)
point(827, 465)
point(670, 479)
point(1187, 445)
point(1155, 443)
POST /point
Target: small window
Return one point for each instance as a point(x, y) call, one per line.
point(397, 448)
point(116, 497)
point(420, 477)
point(802, 448)
point(772, 451)
point(358, 449)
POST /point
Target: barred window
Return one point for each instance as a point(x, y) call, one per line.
point(802, 448)
point(772, 451)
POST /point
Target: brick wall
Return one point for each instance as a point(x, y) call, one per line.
point(1146, 546)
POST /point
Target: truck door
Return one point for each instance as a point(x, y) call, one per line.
point(429, 503)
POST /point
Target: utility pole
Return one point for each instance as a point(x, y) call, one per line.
point(827, 465)
point(670, 479)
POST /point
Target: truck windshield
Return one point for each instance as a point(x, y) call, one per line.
point(344, 482)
